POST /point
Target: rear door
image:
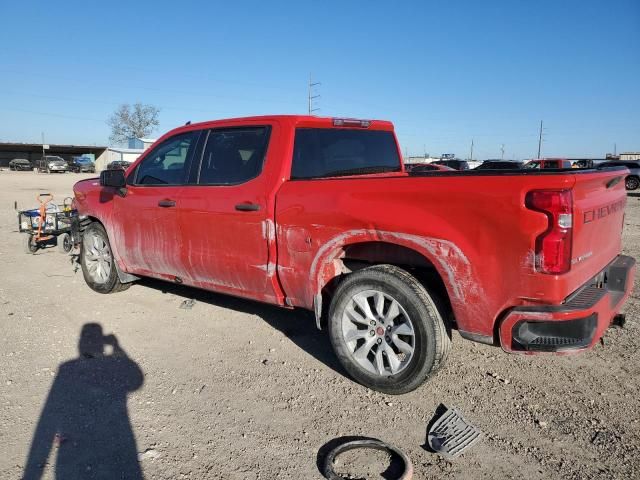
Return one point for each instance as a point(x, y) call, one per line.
point(146, 219)
point(224, 220)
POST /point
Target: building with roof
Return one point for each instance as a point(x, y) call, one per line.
point(34, 151)
point(630, 156)
point(118, 154)
point(141, 143)
point(101, 155)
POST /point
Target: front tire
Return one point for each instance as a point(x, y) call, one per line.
point(632, 183)
point(387, 330)
point(97, 261)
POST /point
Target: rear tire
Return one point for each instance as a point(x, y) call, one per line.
point(632, 183)
point(97, 261)
point(367, 340)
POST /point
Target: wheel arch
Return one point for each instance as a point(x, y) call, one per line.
point(123, 276)
point(438, 264)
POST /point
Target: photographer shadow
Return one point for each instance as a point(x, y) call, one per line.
point(85, 419)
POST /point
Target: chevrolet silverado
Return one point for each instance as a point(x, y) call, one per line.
point(320, 214)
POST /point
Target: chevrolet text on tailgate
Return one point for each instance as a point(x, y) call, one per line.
point(319, 213)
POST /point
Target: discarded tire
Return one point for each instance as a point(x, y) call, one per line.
point(329, 472)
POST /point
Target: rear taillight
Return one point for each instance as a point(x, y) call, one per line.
point(553, 247)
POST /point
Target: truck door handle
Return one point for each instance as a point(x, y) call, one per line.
point(247, 207)
point(167, 203)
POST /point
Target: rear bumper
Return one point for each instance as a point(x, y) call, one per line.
point(579, 322)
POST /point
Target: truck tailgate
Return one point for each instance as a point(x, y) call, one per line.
point(599, 201)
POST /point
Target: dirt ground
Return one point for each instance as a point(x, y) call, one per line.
point(238, 390)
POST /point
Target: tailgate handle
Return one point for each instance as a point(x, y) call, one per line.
point(247, 207)
point(167, 203)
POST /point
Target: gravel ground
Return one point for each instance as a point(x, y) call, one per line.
point(238, 390)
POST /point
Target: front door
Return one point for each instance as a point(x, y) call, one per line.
point(146, 218)
point(224, 219)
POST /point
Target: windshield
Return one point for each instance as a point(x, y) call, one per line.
point(83, 160)
point(327, 152)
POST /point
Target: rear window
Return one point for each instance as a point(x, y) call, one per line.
point(323, 152)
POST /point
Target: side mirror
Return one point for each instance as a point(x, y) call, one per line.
point(113, 178)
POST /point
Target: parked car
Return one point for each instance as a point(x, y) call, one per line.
point(20, 164)
point(548, 163)
point(427, 167)
point(453, 163)
point(118, 164)
point(81, 165)
point(500, 165)
point(52, 163)
point(388, 262)
point(632, 181)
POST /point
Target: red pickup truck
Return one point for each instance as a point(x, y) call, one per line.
point(319, 213)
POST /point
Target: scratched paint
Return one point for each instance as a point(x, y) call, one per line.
point(466, 296)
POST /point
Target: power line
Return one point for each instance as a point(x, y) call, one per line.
point(311, 96)
point(48, 114)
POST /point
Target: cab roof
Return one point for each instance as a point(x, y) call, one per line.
point(308, 121)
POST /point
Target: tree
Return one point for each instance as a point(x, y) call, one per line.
point(137, 121)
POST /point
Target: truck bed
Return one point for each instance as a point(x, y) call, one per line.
point(472, 227)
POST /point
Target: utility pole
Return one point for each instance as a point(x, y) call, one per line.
point(42, 144)
point(311, 96)
point(502, 152)
point(540, 140)
point(615, 149)
point(471, 154)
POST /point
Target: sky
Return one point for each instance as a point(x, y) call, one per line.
point(445, 72)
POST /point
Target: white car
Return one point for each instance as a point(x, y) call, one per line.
point(51, 163)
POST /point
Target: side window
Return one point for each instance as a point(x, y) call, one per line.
point(167, 163)
point(233, 156)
